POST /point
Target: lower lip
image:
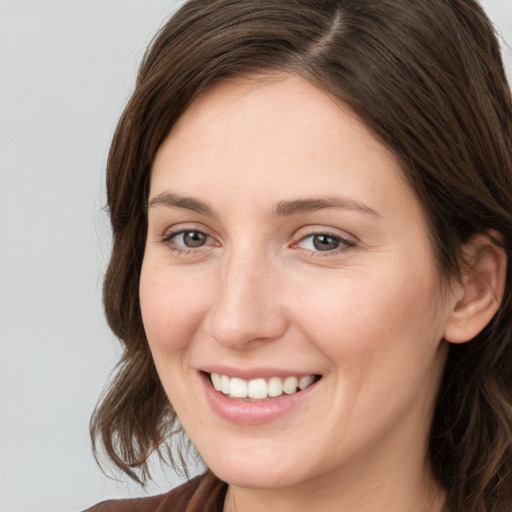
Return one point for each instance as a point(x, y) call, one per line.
point(254, 413)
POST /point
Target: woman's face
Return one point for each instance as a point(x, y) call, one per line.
point(283, 242)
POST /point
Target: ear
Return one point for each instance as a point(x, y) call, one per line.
point(480, 293)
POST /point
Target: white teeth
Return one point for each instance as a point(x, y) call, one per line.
point(238, 388)
point(306, 381)
point(258, 389)
point(216, 381)
point(224, 383)
point(275, 387)
point(290, 385)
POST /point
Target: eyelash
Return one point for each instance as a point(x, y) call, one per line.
point(344, 244)
point(169, 241)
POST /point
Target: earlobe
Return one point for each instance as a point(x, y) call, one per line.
point(481, 289)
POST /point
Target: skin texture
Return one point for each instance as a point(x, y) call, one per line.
point(369, 316)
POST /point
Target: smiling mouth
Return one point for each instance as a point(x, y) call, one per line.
point(260, 389)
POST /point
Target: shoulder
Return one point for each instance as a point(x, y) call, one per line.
point(204, 493)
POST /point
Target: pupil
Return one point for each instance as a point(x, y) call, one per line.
point(325, 242)
point(194, 239)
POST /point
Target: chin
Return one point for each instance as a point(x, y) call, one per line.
point(261, 466)
point(256, 475)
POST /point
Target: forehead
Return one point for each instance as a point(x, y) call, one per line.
point(280, 137)
point(280, 101)
point(264, 122)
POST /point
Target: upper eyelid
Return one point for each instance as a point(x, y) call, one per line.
point(307, 231)
point(182, 227)
point(169, 234)
point(341, 239)
point(168, 241)
point(177, 231)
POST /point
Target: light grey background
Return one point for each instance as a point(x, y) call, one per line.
point(66, 70)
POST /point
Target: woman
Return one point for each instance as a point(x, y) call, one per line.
point(311, 206)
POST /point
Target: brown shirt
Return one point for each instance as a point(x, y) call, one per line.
point(204, 493)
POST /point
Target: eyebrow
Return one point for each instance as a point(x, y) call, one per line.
point(173, 200)
point(285, 208)
point(282, 208)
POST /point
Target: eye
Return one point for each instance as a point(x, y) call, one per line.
point(191, 239)
point(187, 239)
point(324, 242)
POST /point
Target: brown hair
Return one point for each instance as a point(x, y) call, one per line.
point(426, 77)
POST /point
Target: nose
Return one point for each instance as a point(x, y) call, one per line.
point(247, 308)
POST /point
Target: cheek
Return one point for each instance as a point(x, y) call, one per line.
point(382, 340)
point(380, 320)
point(172, 304)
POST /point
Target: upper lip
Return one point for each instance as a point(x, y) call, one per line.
point(255, 372)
